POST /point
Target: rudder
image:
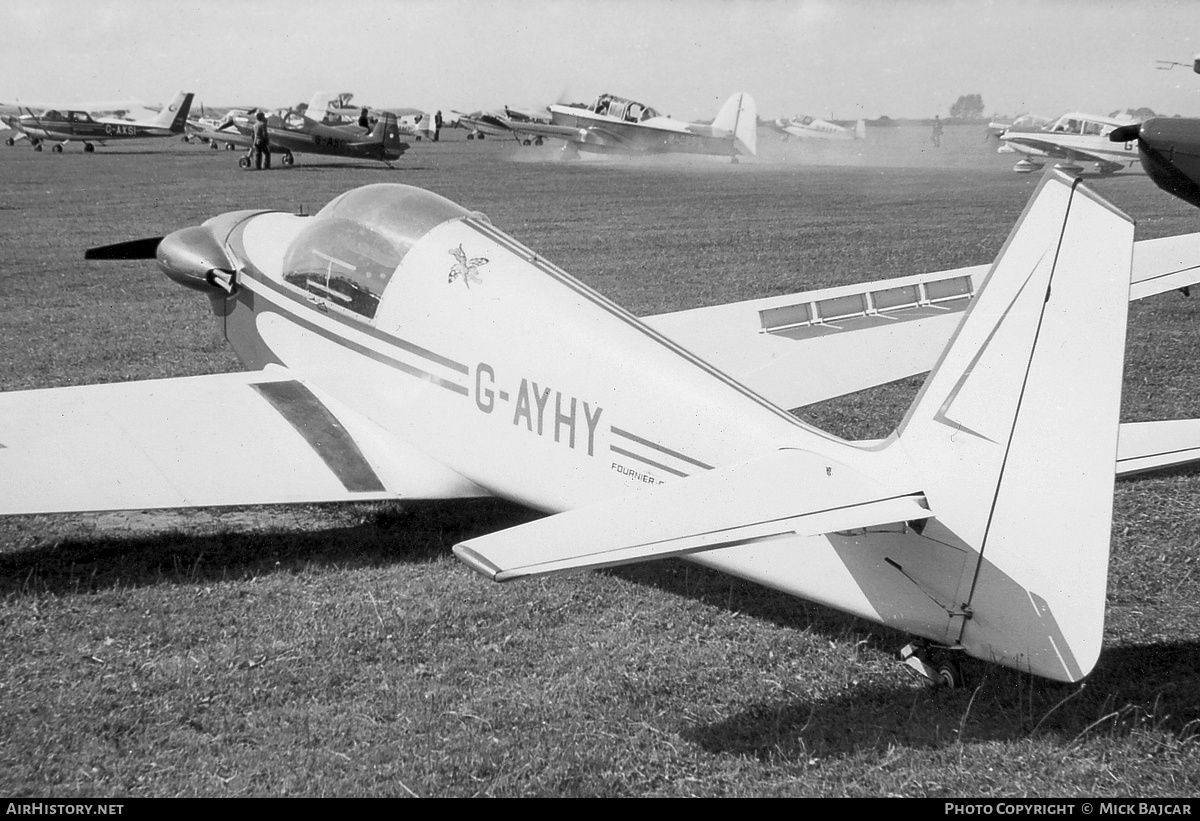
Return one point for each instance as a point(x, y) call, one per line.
point(739, 117)
point(1015, 435)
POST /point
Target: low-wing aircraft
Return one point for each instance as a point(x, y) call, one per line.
point(292, 132)
point(1073, 138)
point(62, 126)
point(1023, 122)
point(1169, 148)
point(615, 125)
point(505, 123)
point(385, 363)
point(813, 128)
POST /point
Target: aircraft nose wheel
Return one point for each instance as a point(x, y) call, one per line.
point(288, 159)
point(244, 162)
point(57, 149)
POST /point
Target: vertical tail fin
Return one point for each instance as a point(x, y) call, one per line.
point(175, 113)
point(739, 117)
point(387, 131)
point(1015, 434)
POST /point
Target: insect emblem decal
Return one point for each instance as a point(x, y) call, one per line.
point(468, 269)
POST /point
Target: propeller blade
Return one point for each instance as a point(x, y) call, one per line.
point(1125, 133)
point(134, 249)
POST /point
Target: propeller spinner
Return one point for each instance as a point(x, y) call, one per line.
point(193, 257)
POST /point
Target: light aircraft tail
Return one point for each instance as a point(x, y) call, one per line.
point(173, 116)
point(387, 131)
point(739, 117)
point(1014, 436)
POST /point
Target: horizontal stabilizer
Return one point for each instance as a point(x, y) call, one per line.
point(789, 493)
point(1145, 446)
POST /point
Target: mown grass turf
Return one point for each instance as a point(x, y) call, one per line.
point(341, 650)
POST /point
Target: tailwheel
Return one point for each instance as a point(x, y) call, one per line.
point(937, 666)
point(57, 149)
point(288, 159)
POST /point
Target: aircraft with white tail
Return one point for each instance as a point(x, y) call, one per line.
point(390, 354)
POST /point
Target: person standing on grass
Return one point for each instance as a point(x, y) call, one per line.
point(437, 125)
point(937, 131)
point(262, 143)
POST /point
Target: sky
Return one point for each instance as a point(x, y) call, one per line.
point(839, 58)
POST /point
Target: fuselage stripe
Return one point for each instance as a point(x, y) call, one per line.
point(373, 354)
point(635, 438)
point(646, 461)
point(262, 279)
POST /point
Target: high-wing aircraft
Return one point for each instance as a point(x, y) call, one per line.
point(386, 363)
point(62, 126)
point(292, 132)
point(615, 125)
point(813, 128)
point(1169, 148)
point(1073, 138)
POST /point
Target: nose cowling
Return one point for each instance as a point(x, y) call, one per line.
point(1169, 148)
point(194, 258)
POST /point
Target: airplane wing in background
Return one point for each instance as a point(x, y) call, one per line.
point(804, 348)
point(227, 439)
point(1057, 150)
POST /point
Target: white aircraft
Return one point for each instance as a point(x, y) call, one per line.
point(1073, 138)
point(1023, 122)
point(59, 127)
point(812, 128)
point(616, 125)
point(387, 361)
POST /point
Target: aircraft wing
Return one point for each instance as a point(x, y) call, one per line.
point(804, 348)
point(1055, 150)
point(227, 439)
point(1144, 446)
point(561, 132)
point(750, 503)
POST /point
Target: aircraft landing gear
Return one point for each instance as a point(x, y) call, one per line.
point(1108, 168)
point(243, 162)
point(937, 666)
point(1026, 167)
point(470, 136)
point(9, 142)
point(230, 147)
point(37, 146)
point(526, 142)
point(288, 159)
point(1069, 168)
point(88, 148)
point(213, 146)
point(538, 141)
point(57, 149)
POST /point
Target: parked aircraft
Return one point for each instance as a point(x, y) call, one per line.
point(812, 128)
point(292, 132)
point(385, 362)
point(1169, 148)
point(1024, 122)
point(616, 125)
point(1073, 138)
point(62, 126)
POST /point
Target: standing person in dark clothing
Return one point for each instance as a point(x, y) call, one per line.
point(437, 125)
point(262, 142)
point(937, 132)
point(364, 121)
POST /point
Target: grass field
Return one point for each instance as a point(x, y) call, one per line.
point(342, 650)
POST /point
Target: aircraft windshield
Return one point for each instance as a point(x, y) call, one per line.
point(353, 246)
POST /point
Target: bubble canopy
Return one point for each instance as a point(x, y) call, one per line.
point(352, 247)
